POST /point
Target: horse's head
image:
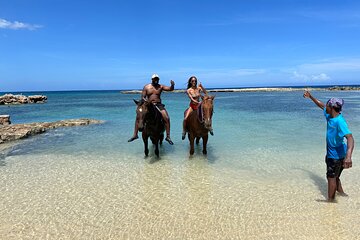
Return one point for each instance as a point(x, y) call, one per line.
point(141, 111)
point(208, 109)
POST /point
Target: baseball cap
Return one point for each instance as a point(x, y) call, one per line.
point(155, 76)
point(335, 102)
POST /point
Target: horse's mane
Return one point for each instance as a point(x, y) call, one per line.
point(199, 113)
point(153, 113)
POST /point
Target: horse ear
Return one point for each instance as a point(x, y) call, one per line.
point(136, 102)
point(212, 97)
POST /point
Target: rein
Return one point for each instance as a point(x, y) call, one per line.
point(154, 113)
point(200, 114)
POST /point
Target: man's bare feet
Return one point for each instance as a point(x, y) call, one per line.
point(343, 194)
point(133, 138)
point(168, 139)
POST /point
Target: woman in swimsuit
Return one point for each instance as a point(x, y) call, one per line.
point(193, 91)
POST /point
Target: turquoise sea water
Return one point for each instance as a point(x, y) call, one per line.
point(263, 177)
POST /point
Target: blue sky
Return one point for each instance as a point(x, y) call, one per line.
point(99, 45)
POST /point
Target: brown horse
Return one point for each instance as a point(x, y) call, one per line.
point(199, 122)
point(150, 123)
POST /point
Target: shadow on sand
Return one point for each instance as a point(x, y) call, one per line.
point(2, 162)
point(167, 151)
point(5, 152)
point(210, 157)
point(318, 181)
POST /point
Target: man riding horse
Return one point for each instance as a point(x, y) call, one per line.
point(151, 92)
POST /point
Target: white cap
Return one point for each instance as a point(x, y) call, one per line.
point(155, 76)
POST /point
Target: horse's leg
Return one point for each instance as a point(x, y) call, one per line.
point(197, 140)
point(157, 149)
point(145, 140)
point(161, 138)
point(191, 138)
point(205, 139)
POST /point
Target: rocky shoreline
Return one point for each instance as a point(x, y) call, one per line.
point(264, 89)
point(10, 99)
point(19, 131)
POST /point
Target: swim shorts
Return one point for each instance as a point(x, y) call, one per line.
point(194, 106)
point(160, 106)
point(334, 167)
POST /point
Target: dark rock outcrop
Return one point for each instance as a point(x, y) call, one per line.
point(5, 120)
point(344, 88)
point(20, 131)
point(21, 99)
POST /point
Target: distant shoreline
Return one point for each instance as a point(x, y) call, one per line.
point(230, 89)
point(265, 89)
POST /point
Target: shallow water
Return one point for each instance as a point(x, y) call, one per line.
point(263, 177)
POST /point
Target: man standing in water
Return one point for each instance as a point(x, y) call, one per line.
point(338, 154)
point(151, 92)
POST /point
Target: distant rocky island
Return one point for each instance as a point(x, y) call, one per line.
point(8, 99)
point(266, 89)
point(9, 132)
point(344, 88)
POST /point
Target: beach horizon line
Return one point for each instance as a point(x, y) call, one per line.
point(263, 89)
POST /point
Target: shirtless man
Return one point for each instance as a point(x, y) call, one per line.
point(151, 92)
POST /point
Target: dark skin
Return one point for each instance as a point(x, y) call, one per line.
point(334, 184)
point(152, 92)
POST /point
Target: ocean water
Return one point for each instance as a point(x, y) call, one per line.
point(263, 176)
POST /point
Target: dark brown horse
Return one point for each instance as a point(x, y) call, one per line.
point(150, 123)
point(199, 123)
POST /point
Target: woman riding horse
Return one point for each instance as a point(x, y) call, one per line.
point(194, 93)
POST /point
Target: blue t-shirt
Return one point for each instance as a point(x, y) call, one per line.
point(336, 130)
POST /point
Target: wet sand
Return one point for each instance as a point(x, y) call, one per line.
point(62, 197)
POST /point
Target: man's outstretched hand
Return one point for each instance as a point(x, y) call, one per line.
point(307, 94)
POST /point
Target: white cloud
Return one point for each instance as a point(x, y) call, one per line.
point(311, 78)
point(327, 70)
point(333, 65)
point(17, 25)
point(300, 76)
point(320, 77)
point(333, 16)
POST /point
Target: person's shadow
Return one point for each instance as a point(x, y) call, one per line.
point(3, 154)
point(320, 182)
point(2, 162)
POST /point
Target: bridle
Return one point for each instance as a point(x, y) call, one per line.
point(200, 113)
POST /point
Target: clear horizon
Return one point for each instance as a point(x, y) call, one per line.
point(139, 89)
point(63, 45)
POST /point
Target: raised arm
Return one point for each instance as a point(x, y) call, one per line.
point(350, 148)
point(319, 103)
point(171, 88)
point(202, 88)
